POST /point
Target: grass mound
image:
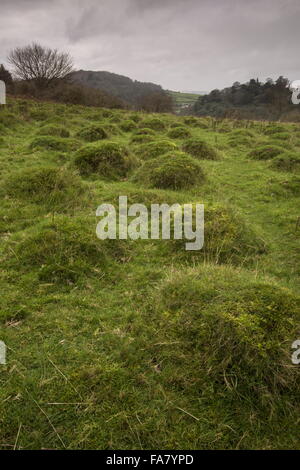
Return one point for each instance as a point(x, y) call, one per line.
point(8, 119)
point(284, 136)
point(171, 171)
point(128, 125)
point(286, 187)
point(142, 139)
point(228, 332)
point(274, 129)
point(198, 148)
point(156, 149)
point(53, 130)
point(92, 133)
point(106, 159)
point(53, 143)
point(52, 186)
point(228, 238)
point(179, 133)
point(266, 152)
point(287, 161)
point(155, 124)
point(144, 131)
point(63, 250)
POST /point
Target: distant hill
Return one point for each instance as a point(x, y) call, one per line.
point(183, 101)
point(120, 86)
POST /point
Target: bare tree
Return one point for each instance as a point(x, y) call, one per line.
point(39, 64)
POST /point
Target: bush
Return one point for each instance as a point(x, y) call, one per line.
point(171, 171)
point(53, 130)
point(266, 152)
point(92, 133)
point(155, 124)
point(227, 331)
point(63, 250)
point(287, 161)
point(53, 143)
point(106, 159)
point(55, 187)
point(128, 126)
point(179, 133)
point(200, 149)
point(155, 149)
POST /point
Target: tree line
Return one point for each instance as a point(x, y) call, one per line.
point(252, 100)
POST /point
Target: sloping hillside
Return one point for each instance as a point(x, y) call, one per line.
point(139, 344)
point(116, 85)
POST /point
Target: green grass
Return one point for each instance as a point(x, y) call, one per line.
point(138, 344)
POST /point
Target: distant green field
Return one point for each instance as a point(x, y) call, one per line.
point(183, 100)
point(123, 344)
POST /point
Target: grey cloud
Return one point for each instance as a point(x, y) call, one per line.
point(181, 44)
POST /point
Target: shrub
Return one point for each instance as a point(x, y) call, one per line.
point(179, 133)
point(287, 161)
point(92, 133)
point(227, 331)
point(153, 123)
point(53, 143)
point(156, 149)
point(52, 186)
point(63, 250)
point(106, 159)
point(266, 152)
point(200, 149)
point(171, 171)
point(128, 125)
point(53, 130)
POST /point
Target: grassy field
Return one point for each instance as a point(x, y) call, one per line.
point(183, 100)
point(139, 344)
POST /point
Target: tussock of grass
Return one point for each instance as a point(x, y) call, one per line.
point(200, 149)
point(288, 161)
point(228, 238)
point(62, 251)
point(57, 188)
point(155, 149)
point(92, 133)
point(154, 123)
point(53, 130)
point(179, 133)
point(266, 152)
point(105, 159)
point(128, 125)
point(53, 143)
point(175, 170)
point(230, 333)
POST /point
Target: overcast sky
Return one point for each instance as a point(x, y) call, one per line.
point(180, 44)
